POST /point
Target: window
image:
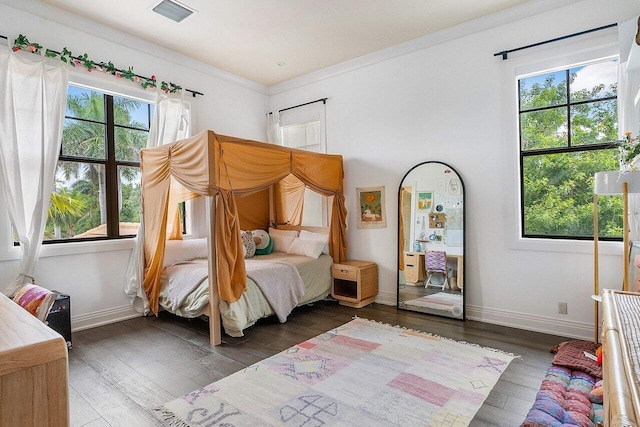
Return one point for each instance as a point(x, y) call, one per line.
point(303, 128)
point(568, 131)
point(97, 184)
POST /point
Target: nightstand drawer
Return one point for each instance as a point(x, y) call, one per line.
point(345, 272)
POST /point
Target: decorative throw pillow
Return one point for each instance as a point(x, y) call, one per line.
point(249, 246)
point(308, 248)
point(282, 243)
point(264, 244)
point(322, 237)
point(184, 250)
point(35, 300)
point(278, 232)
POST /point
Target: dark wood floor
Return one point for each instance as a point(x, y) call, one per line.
point(120, 372)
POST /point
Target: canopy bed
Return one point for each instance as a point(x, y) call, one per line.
point(247, 185)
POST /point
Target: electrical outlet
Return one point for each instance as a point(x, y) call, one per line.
point(562, 308)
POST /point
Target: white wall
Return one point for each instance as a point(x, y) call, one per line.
point(441, 97)
point(94, 273)
point(448, 102)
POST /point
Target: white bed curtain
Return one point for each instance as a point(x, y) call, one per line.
point(273, 127)
point(171, 122)
point(33, 97)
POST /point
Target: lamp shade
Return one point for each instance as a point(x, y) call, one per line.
point(610, 182)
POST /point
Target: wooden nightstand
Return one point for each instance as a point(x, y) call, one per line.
point(355, 283)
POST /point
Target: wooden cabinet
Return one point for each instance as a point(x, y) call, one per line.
point(355, 283)
point(414, 271)
point(34, 372)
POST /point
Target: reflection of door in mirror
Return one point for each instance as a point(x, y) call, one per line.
point(405, 202)
point(431, 241)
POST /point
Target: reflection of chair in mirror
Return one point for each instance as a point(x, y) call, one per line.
point(436, 263)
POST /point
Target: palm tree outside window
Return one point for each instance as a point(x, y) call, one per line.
point(96, 194)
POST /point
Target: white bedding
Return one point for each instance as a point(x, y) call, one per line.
point(252, 305)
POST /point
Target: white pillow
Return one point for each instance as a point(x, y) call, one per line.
point(308, 248)
point(282, 243)
point(322, 237)
point(278, 232)
point(184, 250)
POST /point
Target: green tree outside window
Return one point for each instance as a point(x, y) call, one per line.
point(101, 142)
point(568, 132)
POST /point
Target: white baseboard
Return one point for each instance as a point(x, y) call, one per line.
point(565, 328)
point(387, 298)
point(547, 325)
point(103, 317)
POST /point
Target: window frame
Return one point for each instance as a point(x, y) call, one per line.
point(568, 148)
point(110, 162)
point(303, 115)
point(559, 55)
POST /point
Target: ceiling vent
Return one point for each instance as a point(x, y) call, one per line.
point(172, 10)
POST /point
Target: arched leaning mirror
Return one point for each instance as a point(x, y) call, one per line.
point(431, 241)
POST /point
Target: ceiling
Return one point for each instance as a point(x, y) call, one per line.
point(250, 38)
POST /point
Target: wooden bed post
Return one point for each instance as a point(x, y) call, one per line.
point(215, 336)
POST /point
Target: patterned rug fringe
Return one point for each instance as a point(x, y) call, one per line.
point(169, 418)
point(429, 334)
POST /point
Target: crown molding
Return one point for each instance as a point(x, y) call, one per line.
point(515, 13)
point(60, 16)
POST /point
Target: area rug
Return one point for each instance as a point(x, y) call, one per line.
point(440, 301)
point(362, 373)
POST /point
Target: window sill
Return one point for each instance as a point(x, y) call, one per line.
point(63, 249)
point(571, 246)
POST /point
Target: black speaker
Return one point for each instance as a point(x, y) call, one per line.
point(59, 318)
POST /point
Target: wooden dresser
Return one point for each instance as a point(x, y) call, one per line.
point(34, 373)
point(414, 271)
point(621, 357)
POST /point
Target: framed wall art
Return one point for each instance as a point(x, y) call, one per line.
point(372, 212)
point(425, 201)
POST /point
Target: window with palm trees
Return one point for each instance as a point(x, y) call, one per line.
point(97, 186)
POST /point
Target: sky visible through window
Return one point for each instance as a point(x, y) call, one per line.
point(587, 76)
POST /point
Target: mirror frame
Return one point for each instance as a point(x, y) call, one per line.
point(464, 240)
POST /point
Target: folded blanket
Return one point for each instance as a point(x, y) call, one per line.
point(184, 277)
point(280, 283)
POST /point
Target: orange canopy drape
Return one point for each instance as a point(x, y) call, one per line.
point(289, 201)
point(223, 167)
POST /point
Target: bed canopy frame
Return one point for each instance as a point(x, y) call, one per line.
point(245, 182)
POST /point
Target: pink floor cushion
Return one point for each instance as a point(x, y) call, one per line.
point(565, 400)
point(35, 300)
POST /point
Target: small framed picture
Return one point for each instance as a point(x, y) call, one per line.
point(425, 201)
point(372, 207)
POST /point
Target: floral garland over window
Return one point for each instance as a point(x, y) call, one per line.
point(22, 43)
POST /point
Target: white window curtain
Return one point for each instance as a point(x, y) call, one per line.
point(273, 127)
point(171, 122)
point(628, 103)
point(33, 97)
point(629, 121)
